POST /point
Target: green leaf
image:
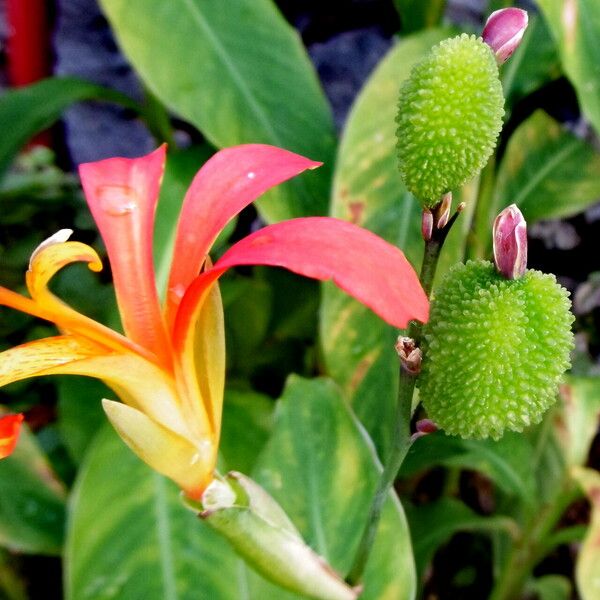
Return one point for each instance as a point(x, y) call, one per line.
point(575, 25)
point(358, 346)
point(129, 536)
point(507, 462)
point(80, 412)
point(247, 423)
point(320, 467)
point(32, 511)
point(577, 423)
point(433, 524)
point(416, 14)
point(534, 63)
point(586, 569)
point(547, 171)
point(28, 110)
point(551, 587)
point(246, 78)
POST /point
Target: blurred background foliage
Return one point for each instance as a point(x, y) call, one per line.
point(80, 516)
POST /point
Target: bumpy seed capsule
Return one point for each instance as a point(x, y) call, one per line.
point(495, 350)
point(449, 117)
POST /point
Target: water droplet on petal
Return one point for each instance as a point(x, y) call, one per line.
point(117, 200)
point(177, 292)
point(251, 175)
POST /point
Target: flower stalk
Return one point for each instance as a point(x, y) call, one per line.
point(408, 345)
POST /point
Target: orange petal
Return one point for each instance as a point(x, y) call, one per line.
point(190, 466)
point(229, 181)
point(10, 427)
point(122, 195)
point(200, 363)
point(69, 320)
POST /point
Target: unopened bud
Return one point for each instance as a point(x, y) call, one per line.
point(410, 355)
point(427, 224)
point(424, 427)
point(510, 243)
point(263, 535)
point(503, 32)
point(443, 211)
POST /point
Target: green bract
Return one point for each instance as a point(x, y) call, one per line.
point(449, 117)
point(495, 350)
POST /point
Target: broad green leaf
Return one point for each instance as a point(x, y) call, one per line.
point(587, 574)
point(80, 412)
point(248, 304)
point(320, 467)
point(32, 511)
point(547, 171)
point(575, 25)
point(507, 462)
point(247, 423)
point(129, 536)
point(358, 346)
point(577, 421)
point(28, 110)
point(551, 587)
point(534, 63)
point(416, 14)
point(432, 525)
point(238, 72)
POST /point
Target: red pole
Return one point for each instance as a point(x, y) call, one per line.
point(28, 46)
point(27, 41)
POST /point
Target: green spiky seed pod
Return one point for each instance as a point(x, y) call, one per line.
point(449, 117)
point(495, 350)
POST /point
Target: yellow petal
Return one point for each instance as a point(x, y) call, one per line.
point(135, 380)
point(200, 359)
point(191, 467)
point(42, 357)
point(48, 258)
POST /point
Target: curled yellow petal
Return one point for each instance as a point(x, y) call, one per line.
point(190, 466)
point(48, 258)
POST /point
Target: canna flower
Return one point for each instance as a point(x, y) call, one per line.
point(168, 367)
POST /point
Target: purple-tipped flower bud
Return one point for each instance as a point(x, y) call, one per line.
point(504, 30)
point(426, 426)
point(510, 242)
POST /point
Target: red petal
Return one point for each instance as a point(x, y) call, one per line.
point(10, 427)
point(361, 263)
point(231, 180)
point(122, 195)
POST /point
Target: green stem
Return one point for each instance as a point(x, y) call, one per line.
point(535, 542)
point(402, 436)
